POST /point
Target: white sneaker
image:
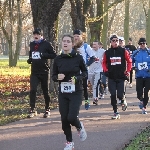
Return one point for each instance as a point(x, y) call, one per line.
point(82, 133)
point(69, 146)
point(130, 85)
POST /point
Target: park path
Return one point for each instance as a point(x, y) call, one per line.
point(103, 133)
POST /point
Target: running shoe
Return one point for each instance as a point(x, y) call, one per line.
point(116, 116)
point(32, 113)
point(69, 146)
point(95, 101)
point(46, 113)
point(87, 104)
point(144, 111)
point(82, 133)
point(124, 106)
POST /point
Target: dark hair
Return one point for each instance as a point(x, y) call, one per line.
point(113, 36)
point(68, 35)
point(77, 31)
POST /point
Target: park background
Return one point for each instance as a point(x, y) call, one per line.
point(18, 18)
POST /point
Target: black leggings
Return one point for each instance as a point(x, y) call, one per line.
point(85, 85)
point(116, 85)
point(69, 106)
point(131, 73)
point(34, 81)
point(143, 84)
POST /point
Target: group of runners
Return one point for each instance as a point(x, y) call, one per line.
point(78, 63)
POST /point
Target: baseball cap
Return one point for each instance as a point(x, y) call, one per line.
point(121, 38)
point(38, 31)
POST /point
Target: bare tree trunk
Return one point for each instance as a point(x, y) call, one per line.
point(19, 35)
point(126, 22)
point(11, 4)
point(148, 26)
point(79, 11)
point(96, 27)
point(104, 37)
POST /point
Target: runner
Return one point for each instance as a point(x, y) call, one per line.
point(141, 58)
point(69, 70)
point(131, 48)
point(86, 51)
point(114, 66)
point(95, 70)
point(40, 51)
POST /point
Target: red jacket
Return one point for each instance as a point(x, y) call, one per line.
point(116, 61)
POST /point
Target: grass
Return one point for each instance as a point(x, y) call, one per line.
point(140, 142)
point(14, 92)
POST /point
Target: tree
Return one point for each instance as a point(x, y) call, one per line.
point(11, 18)
point(104, 36)
point(45, 13)
point(79, 12)
point(126, 22)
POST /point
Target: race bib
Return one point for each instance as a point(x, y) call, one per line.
point(36, 55)
point(115, 60)
point(67, 87)
point(142, 66)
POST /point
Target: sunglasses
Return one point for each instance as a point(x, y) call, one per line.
point(142, 43)
point(114, 40)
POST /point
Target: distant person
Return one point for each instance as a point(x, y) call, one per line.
point(116, 65)
point(131, 48)
point(141, 59)
point(95, 70)
point(121, 41)
point(40, 52)
point(69, 70)
point(85, 50)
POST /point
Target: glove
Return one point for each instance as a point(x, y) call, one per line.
point(29, 61)
point(106, 73)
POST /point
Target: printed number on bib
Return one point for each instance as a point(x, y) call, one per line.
point(115, 60)
point(67, 87)
point(36, 55)
point(142, 66)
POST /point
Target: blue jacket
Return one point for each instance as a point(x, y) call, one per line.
point(141, 59)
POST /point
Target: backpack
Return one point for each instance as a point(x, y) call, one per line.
point(87, 56)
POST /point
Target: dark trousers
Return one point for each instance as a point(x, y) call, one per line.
point(69, 106)
point(131, 73)
point(34, 81)
point(85, 85)
point(102, 83)
point(143, 84)
point(116, 86)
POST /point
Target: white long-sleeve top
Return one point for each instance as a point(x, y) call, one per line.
point(97, 65)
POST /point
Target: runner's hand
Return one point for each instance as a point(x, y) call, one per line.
point(61, 76)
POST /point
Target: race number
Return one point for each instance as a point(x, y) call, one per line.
point(142, 66)
point(67, 87)
point(36, 55)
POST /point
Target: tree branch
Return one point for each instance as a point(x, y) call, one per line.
point(98, 18)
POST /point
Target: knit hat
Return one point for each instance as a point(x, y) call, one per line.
point(77, 31)
point(38, 31)
point(142, 40)
point(113, 36)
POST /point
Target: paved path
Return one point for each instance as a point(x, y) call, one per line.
point(103, 133)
